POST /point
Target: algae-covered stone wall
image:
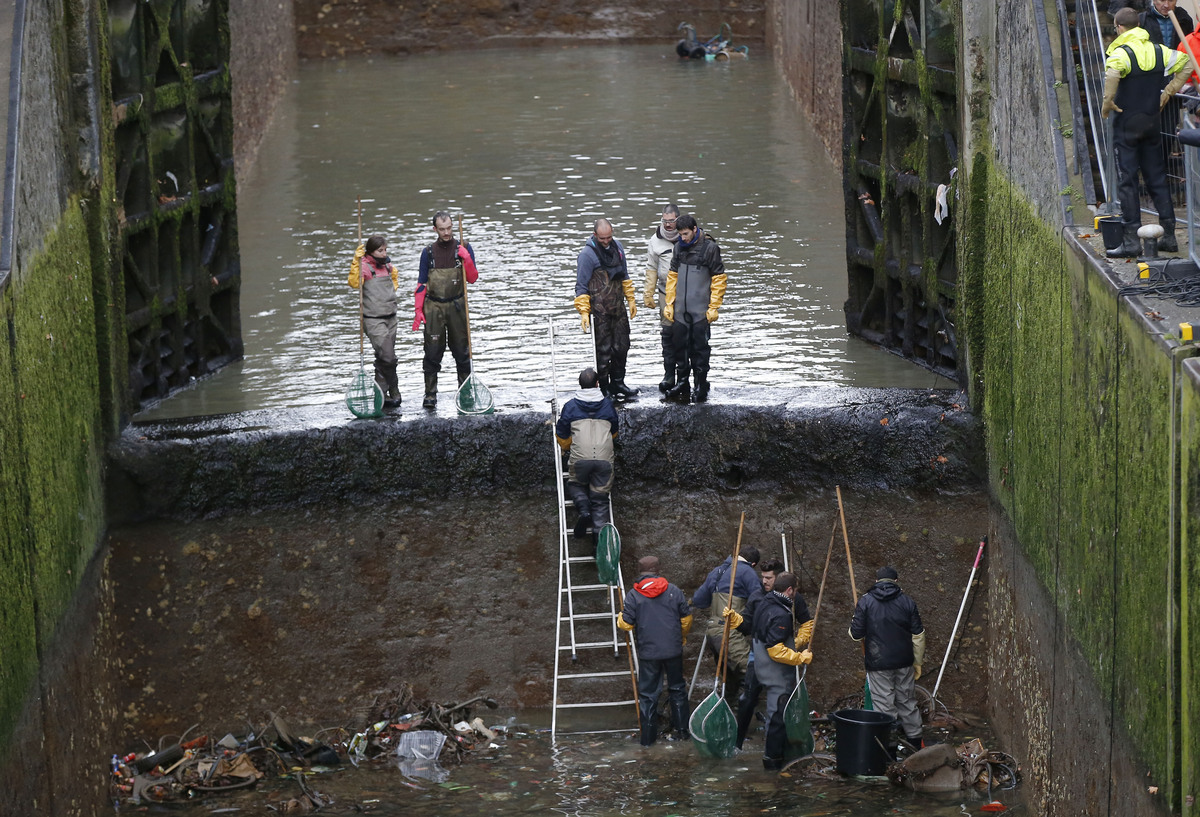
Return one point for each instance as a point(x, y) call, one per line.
point(1076, 405)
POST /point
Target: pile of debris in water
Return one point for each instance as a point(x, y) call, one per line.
point(421, 735)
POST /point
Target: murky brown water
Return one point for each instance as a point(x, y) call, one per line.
point(531, 146)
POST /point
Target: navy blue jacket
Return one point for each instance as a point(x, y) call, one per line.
point(656, 609)
point(776, 617)
point(746, 584)
point(888, 619)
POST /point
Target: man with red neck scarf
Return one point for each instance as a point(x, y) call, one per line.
point(601, 283)
point(657, 614)
point(440, 303)
point(695, 291)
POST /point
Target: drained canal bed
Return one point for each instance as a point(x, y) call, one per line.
point(530, 147)
point(585, 775)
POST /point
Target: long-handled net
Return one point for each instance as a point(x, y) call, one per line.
point(608, 554)
point(713, 725)
point(364, 398)
point(473, 396)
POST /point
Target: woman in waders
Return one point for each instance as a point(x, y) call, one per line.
point(373, 271)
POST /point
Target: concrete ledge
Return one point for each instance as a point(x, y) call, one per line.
point(891, 439)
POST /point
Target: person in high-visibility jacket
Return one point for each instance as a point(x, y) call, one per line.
point(373, 273)
point(1136, 88)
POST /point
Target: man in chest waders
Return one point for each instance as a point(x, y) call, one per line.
point(713, 595)
point(1136, 88)
point(695, 291)
point(372, 270)
point(777, 653)
point(602, 288)
point(440, 305)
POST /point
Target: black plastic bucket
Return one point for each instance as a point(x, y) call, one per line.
point(859, 735)
point(1113, 231)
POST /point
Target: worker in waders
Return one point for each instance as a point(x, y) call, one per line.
point(602, 289)
point(695, 291)
point(888, 619)
point(657, 614)
point(713, 595)
point(440, 304)
point(778, 650)
point(751, 688)
point(1139, 78)
point(587, 428)
point(372, 270)
point(658, 263)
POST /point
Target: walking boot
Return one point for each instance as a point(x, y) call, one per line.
point(700, 393)
point(1130, 246)
point(1168, 242)
point(668, 381)
point(681, 392)
point(392, 399)
point(620, 391)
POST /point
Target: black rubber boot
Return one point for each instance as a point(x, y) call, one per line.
point(700, 393)
point(1130, 246)
point(430, 400)
point(620, 391)
point(679, 721)
point(772, 764)
point(1168, 243)
point(681, 392)
point(649, 726)
point(582, 524)
point(668, 380)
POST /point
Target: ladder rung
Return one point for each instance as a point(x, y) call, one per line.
point(575, 588)
point(586, 617)
point(597, 732)
point(598, 703)
point(589, 645)
point(596, 674)
point(577, 559)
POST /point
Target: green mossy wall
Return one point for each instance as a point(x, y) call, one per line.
point(50, 426)
point(1074, 396)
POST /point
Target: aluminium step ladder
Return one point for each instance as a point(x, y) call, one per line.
point(598, 654)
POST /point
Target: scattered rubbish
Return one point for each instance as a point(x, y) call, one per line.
point(942, 767)
point(420, 735)
point(719, 47)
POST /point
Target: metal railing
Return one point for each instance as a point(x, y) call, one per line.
point(8, 193)
point(1089, 37)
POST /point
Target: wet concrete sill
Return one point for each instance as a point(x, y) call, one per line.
point(893, 439)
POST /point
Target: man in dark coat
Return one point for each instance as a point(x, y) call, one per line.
point(714, 596)
point(657, 613)
point(777, 653)
point(889, 621)
point(695, 291)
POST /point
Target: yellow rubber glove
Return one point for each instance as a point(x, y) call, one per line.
point(1175, 84)
point(735, 618)
point(781, 654)
point(685, 624)
point(1111, 81)
point(806, 657)
point(648, 292)
point(623, 624)
point(669, 298)
point(804, 634)
point(918, 641)
point(356, 267)
point(583, 304)
point(716, 296)
point(630, 297)
point(916, 672)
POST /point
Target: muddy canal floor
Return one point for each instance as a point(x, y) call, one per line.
point(526, 773)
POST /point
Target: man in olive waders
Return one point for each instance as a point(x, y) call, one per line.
point(602, 287)
point(777, 653)
point(1136, 88)
point(657, 614)
point(440, 303)
point(695, 291)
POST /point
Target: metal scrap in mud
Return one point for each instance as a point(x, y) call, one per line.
point(419, 737)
